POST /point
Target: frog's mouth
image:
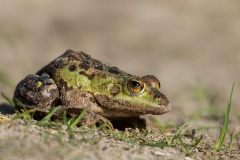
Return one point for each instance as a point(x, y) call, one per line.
point(121, 108)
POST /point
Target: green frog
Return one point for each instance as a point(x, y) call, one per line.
point(75, 81)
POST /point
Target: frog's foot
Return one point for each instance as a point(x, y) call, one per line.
point(91, 119)
point(36, 91)
point(74, 101)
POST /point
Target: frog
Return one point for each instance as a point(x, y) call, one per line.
point(75, 80)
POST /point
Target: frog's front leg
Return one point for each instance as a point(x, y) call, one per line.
point(38, 92)
point(74, 101)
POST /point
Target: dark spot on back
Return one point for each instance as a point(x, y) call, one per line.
point(83, 73)
point(72, 68)
point(91, 76)
point(58, 64)
point(155, 96)
point(63, 85)
point(97, 64)
point(98, 67)
point(114, 70)
point(85, 65)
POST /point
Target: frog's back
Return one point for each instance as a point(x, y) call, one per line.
point(77, 70)
point(63, 61)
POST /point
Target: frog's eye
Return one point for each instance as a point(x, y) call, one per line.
point(135, 86)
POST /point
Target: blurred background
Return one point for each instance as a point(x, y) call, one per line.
point(193, 47)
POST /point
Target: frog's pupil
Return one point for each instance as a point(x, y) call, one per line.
point(135, 83)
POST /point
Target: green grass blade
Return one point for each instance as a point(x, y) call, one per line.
point(75, 122)
point(129, 140)
point(21, 104)
point(64, 121)
point(60, 135)
point(183, 145)
point(198, 141)
point(47, 118)
point(158, 145)
point(104, 126)
point(157, 124)
point(49, 124)
point(72, 135)
point(178, 131)
point(9, 101)
point(25, 114)
point(223, 132)
point(169, 141)
point(70, 120)
point(230, 144)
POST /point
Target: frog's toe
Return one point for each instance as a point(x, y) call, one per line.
point(91, 119)
point(104, 120)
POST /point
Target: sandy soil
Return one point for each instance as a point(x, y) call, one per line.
point(191, 46)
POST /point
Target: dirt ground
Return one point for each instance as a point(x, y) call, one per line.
point(191, 46)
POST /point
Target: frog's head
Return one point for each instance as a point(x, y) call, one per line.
point(135, 96)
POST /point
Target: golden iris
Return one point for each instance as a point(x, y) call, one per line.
point(135, 86)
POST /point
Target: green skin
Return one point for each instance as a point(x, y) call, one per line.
point(75, 81)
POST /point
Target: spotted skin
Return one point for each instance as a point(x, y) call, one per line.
point(75, 81)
